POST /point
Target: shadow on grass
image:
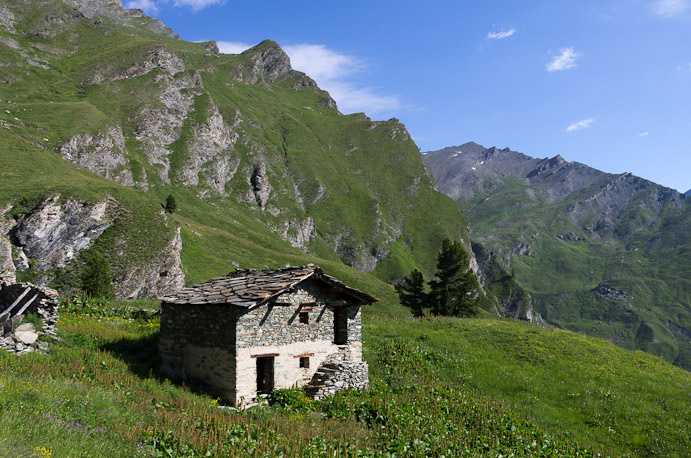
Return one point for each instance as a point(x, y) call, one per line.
point(142, 358)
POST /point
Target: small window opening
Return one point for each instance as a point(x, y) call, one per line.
point(340, 326)
point(304, 317)
point(304, 362)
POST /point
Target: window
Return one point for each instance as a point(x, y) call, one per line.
point(340, 326)
point(304, 362)
point(304, 317)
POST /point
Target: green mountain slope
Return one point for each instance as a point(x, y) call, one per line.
point(602, 254)
point(248, 147)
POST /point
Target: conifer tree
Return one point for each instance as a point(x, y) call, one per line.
point(96, 281)
point(455, 289)
point(171, 205)
point(411, 292)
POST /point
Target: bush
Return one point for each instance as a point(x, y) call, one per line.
point(291, 400)
point(96, 280)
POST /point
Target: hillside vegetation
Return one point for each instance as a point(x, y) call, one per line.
point(603, 254)
point(435, 390)
point(263, 166)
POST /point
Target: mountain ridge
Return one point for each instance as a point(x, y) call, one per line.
point(249, 147)
point(599, 253)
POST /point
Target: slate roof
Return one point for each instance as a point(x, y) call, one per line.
point(251, 288)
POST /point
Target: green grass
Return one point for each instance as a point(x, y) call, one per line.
point(596, 392)
point(436, 389)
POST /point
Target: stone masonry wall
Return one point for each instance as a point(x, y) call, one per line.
point(276, 330)
point(197, 342)
point(218, 345)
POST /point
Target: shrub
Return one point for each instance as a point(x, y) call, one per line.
point(96, 280)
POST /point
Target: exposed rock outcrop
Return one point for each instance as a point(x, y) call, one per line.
point(7, 18)
point(157, 277)
point(299, 233)
point(113, 9)
point(260, 185)
point(102, 153)
point(210, 150)
point(157, 128)
point(6, 258)
point(158, 58)
point(268, 62)
point(610, 292)
point(212, 47)
point(54, 232)
point(514, 301)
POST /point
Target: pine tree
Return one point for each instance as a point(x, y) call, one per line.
point(411, 292)
point(96, 280)
point(171, 205)
point(455, 289)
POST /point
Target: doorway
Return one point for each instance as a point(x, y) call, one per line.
point(265, 374)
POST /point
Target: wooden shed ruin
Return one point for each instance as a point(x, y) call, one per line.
point(251, 331)
point(17, 300)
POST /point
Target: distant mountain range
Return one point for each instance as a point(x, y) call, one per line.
point(600, 253)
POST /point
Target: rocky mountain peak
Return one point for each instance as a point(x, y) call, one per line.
point(269, 63)
point(91, 8)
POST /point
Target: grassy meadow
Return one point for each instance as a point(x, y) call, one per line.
point(439, 387)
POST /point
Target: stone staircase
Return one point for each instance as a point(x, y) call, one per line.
point(334, 376)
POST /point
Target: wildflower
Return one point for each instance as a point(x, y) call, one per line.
point(43, 452)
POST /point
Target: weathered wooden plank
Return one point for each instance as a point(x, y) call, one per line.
point(9, 309)
point(28, 303)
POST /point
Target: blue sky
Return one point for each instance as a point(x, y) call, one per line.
point(606, 83)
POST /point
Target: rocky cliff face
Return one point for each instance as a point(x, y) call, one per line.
point(159, 276)
point(52, 234)
point(103, 154)
point(512, 300)
point(245, 143)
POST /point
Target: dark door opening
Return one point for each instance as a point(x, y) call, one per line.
point(265, 374)
point(340, 326)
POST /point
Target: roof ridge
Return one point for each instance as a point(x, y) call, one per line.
point(253, 287)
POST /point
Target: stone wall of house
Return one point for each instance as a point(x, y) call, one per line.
point(276, 330)
point(336, 376)
point(197, 343)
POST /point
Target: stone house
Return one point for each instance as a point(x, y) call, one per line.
point(251, 331)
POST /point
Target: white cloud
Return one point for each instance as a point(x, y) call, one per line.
point(582, 124)
point(321, 63)
point(333, 72)
point(500, 35)
point(147, 5)
point(671, 8)
point(564, 61)
point(151, 6)
point(197, 5)
point(232, 47)
point(643, 134)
